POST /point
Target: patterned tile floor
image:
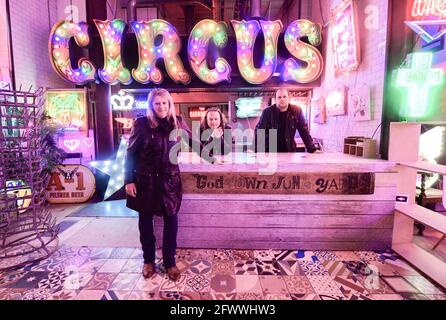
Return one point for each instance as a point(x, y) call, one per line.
point(115, 274)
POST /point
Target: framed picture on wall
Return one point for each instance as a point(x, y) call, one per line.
point(360, 103)
point(345, 38)
point(336, 101)
point(319, 112)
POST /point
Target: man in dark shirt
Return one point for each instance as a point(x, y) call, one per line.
point(286, 119)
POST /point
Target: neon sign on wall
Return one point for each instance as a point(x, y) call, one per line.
point(68, 108)
point(426, 8)
point(112, 34)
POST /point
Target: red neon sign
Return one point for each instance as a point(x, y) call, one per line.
point(426, 8)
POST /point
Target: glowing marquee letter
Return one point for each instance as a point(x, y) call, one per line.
point(198, 50)
point(59, 51)
point(303, 51)
point(111, 36)
point(246, 34)
point(168, 50)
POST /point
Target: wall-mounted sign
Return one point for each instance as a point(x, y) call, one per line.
point(284, 183)
point(429, 8)
point(122, 101)
point(346, 48)
point(428, 30)
point(112, 34)
point(68, 108)
point(70, 184)
point(197, 112)
point(336, 102)
point(78, 142)
point(418, 78)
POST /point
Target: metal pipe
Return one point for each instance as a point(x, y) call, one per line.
point(255, 8)
point(131, 10)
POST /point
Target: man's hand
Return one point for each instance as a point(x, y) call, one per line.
point(217, 133)
point(130, 189)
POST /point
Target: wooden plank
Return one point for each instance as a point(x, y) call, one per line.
point(286, 162)
point(381, 194)
point(284, 245)
point(284, 221)
point(320, 183)
point(282, 234)
point(386, 179)
point(424, 261)
point(425, 166)
point(235, 207)
point(428, 217)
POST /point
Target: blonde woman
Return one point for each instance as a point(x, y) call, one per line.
point(152, 182)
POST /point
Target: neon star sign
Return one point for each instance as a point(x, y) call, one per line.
point(427, 35)
point(307, 69)
point(418, 79)
point(113, 168)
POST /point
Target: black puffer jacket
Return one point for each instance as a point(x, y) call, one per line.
point(157, 179)
point(295, 121)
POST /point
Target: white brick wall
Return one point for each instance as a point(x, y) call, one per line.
point(371, 72)
point(31, 25)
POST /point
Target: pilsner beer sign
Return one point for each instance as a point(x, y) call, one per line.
point(281, 183)
point(70, 184)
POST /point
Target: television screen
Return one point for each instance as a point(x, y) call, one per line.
point(250, 107)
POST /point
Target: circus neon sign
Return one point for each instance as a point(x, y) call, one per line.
point(304, 65)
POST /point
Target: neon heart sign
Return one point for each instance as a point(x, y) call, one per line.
point(309, 67)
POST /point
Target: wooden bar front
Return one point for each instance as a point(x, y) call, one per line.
point(308, 202)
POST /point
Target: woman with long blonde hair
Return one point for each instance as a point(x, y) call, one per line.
point(152, 181)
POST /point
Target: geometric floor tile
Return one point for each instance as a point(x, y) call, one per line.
point(313, 268)
point(400, 285)
point(299, 296)
point(91, 266)
point(436, 296)
point(305, 255)
point(101, 281)
point(37, 294)
point(122, 253)
point(358, 268)
point(326, 255)
point(248, 283)
point(336, 268)
point(331, 297)
point(299, 285)
point(101, 253)
point(55, 280)
point(413, 296)
point(268, 267)
point(245, 267)
point(137, 254)
point(133, 266)
point(30, 280)
point(90, 295)
point(220, 267)
point(270, 296)
point(222, 296)
point(243, 255)
point(325, 285)
point(115, 295)
point(386, 297)
point(198, 283)
point(375, 285)
point(202, 254)
point(223, 283)
point(200, 267)
point(284, 255)
point(249, 296)
point(367, 256)
point(402, 268)
point(174, 286)
point(357, 296)
point(124, 282)
point(64, 294)
point(264, 255)
point(290, 268)
point(423, 285)
point(349, 285)
point(7, 279)
point(143, 295)
point(152, 284)
point(273, 285)
point(346, 256)
point(113, 265)
point(382, 268)
point(223, 255)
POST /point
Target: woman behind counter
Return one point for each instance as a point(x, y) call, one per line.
point(212, 133)
point(153, 182)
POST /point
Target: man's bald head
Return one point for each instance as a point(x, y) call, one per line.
point(282, 99)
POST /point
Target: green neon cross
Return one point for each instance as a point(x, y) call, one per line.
point(418, 79)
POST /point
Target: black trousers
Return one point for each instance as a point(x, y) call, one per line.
point(147, 238)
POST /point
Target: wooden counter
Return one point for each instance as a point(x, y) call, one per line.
point(310, 202)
